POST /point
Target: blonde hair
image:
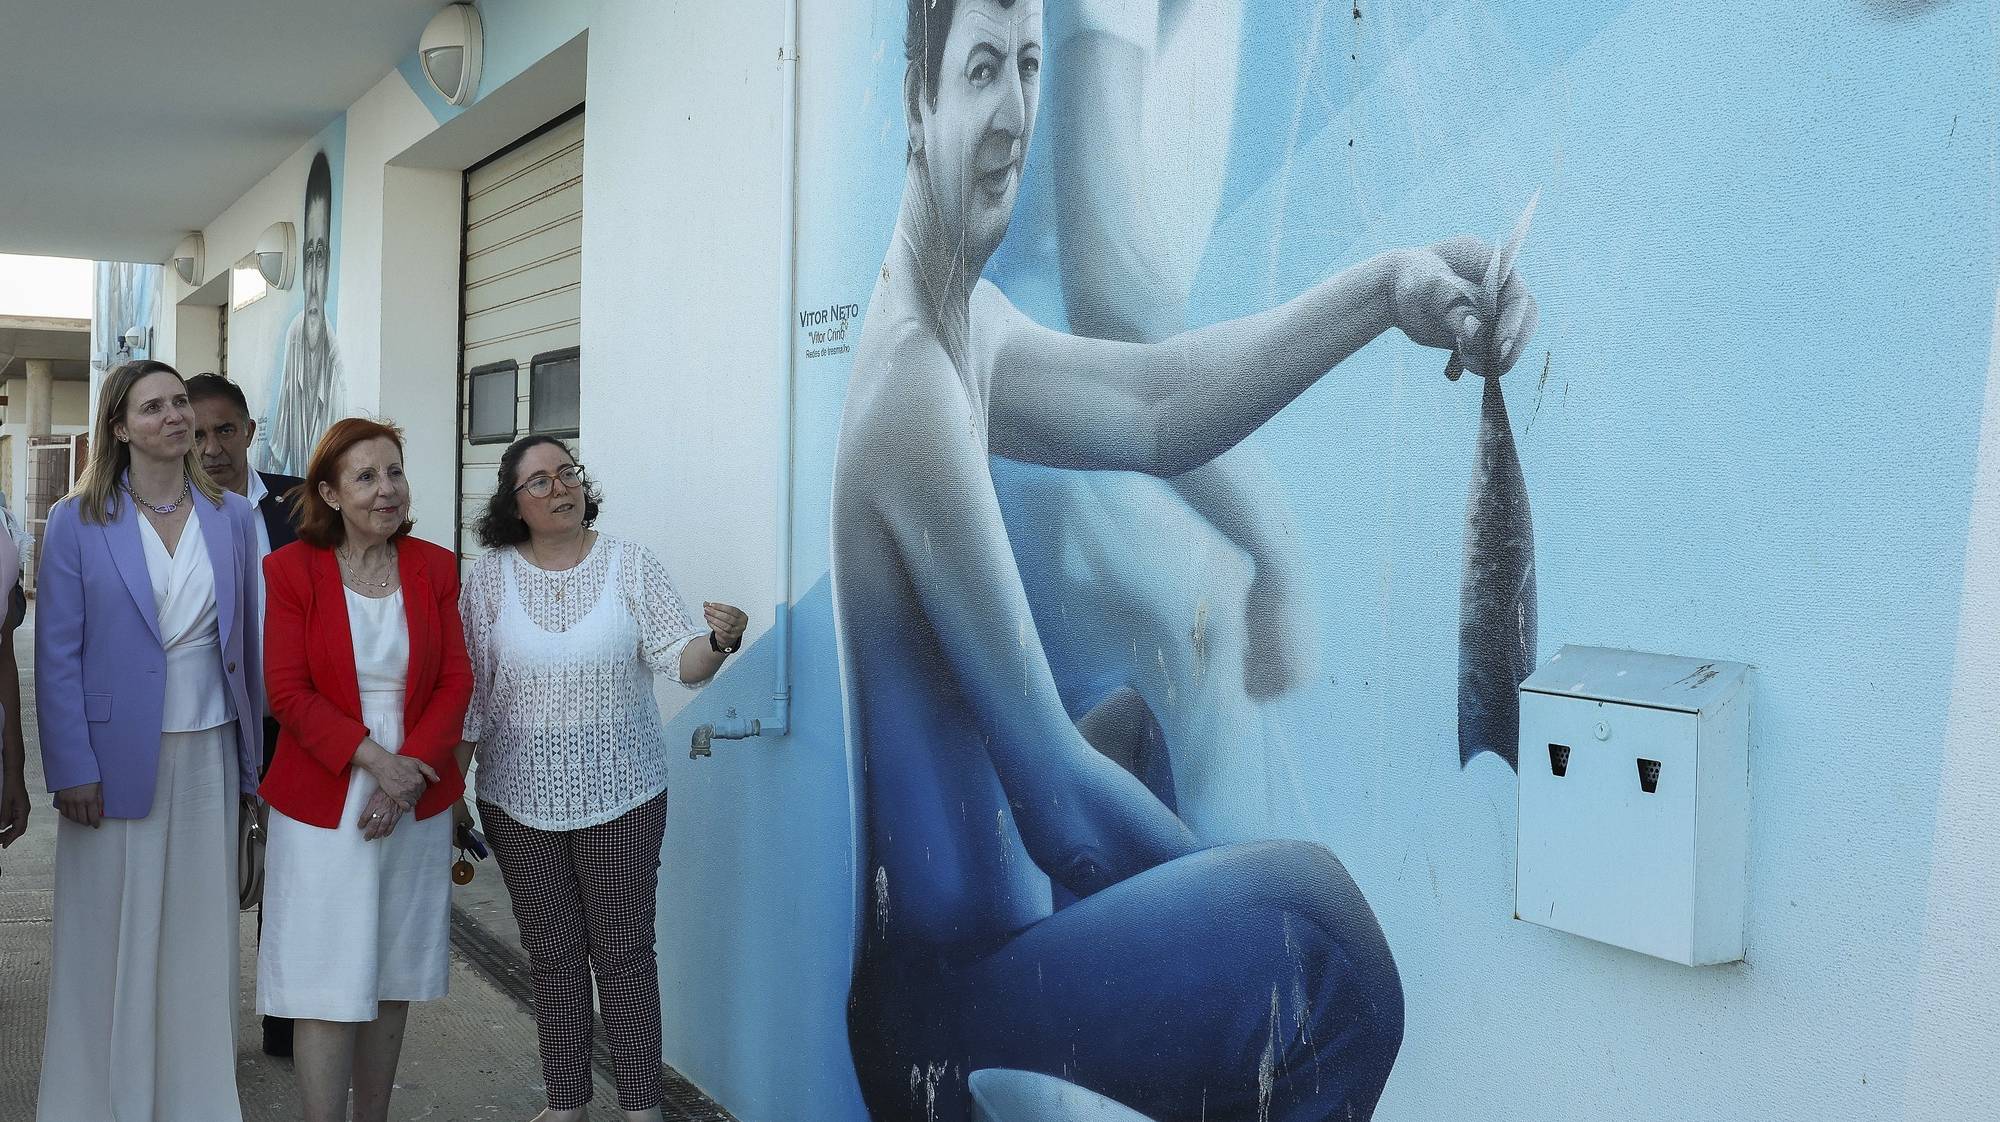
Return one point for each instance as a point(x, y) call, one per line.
point(96, 491)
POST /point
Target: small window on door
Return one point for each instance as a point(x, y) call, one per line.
point(554, 393)
point(491, 391)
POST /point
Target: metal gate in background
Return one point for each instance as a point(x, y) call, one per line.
point(53, 465)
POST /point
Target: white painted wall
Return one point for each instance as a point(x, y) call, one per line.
point(682, 351)
point(399, 293)
point(197, 339)
point(680, 343)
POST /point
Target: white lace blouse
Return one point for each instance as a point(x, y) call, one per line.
point(563, 711)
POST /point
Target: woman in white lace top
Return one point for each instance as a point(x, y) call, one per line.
point(566, 628)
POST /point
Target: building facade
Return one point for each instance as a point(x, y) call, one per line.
point(1755, 413)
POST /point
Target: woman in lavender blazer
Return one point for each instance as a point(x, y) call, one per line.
point(149, 693)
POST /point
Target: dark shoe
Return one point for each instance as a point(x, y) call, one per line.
point(278, 1036)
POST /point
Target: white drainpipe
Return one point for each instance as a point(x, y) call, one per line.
point(779, 721)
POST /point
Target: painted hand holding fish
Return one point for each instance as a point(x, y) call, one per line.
point(1439, 300)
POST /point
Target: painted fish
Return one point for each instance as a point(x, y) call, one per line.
point(1496, 595)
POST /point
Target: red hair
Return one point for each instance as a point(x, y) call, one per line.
point(319, 523)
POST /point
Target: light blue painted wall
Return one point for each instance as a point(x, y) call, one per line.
point(1766, 260)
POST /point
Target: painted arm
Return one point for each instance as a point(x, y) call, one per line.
point(1086, 822)
point(67, 760)
point(1167, 407)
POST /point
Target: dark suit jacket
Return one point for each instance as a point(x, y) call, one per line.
point(280, 514)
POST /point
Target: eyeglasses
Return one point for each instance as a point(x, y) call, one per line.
point(541, 486)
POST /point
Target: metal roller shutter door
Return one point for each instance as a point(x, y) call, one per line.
point(522, 305)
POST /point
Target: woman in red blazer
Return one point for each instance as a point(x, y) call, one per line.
point(366, 670)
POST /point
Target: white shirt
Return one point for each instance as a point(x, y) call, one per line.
point(563, 711)
point(256, 496)
point(197, 692)
point(380, 630)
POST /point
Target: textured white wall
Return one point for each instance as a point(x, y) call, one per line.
point(197, 338)
point(399, 294)
point(680, 251)
point(682, 341)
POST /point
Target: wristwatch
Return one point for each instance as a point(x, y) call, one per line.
point(718, 648)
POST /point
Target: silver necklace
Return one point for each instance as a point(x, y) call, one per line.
point(535, 555)
point(187, 488)
point(349, 569)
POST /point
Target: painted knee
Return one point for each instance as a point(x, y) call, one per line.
point(1346, 974)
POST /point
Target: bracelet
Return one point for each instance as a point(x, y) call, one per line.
point(718, 648)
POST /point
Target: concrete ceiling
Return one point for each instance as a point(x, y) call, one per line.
point(127, 123)
point(65, 342)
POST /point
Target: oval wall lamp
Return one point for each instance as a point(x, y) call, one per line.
point(451, 51)
point(187, 260)
point(276, 256)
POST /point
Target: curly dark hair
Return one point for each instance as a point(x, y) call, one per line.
point(502, 524)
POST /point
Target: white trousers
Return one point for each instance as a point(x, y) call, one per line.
point(142, 988)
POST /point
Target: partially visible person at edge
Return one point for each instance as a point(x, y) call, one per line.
point(566, 628)
point(369, 682)
point(148, 693)
point(223, 430)
point(15, 546)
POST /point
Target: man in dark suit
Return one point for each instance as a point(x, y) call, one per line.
point(223, 433)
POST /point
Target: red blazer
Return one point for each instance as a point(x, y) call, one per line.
point(309, 676)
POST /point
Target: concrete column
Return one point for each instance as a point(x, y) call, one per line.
point(41, 396)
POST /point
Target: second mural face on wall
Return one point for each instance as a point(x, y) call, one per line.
point(311, 391)
point(1072, 600)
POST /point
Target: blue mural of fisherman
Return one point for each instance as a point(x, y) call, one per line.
point(312, 392)
point(1181, 978)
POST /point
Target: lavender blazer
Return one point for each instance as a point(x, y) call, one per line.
point(100, 671)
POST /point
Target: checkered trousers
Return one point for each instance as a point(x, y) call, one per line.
point(584, 901)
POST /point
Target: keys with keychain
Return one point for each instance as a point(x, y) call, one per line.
point(467, 840)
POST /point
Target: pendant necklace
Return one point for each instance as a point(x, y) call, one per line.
point(187, 486)
point(354, 576)
point(555, 575)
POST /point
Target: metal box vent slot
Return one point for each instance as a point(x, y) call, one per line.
point(1649, 775)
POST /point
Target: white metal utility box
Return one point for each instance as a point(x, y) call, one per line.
point(1635, 802)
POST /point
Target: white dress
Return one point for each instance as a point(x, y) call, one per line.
point(350, 922)
point(142, 992)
